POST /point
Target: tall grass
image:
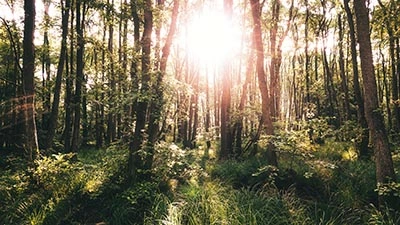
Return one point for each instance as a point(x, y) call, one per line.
point(216, 203)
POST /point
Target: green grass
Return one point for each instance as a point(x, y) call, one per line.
point(216, 203)
point(323, 187)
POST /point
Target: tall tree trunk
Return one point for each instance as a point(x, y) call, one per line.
point(98, 125)
point(383, 159)
point(79, 80)
point(307, 62)
point(239, 121)
point(60, 68)
point(266, 120)
point(158, 102)
point(207, 122)
point(226, 150)
point(30, 141)
point(396, 101)
point(111, 119)
point(362, 144)
point(69, 86)
point(383, 88)
point(135, 163)
point(389, 21)
point(275, 62)
point(45, 60)
point(343, 78)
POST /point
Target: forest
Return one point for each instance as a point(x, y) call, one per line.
point(197, 112)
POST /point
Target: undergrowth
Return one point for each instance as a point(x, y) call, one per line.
point(320, 184)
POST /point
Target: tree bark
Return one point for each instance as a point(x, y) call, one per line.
point(79, 80)
point(111, 117)
point(60, 68)
point(383, 159)
point(342, 72)
point(362, 144)
point(226, 150)
point(266, 120)
point(30, 141)
point(136, 163)
point(158, 102)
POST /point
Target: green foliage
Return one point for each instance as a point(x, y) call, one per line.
point(319, 128)
point(246, 173)
point(41, 190)
point(350, 131)
point(215, 203)
point(132, 204)
point(104, 167)
point(63, 188)
point(294, 145)
point(170, 160)
point(384, 216)
point(391, 189)
point(57, 173)
point(330, 214)
point(353, 183)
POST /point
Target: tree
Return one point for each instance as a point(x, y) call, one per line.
point(157, 102)
point(226, 150)
point(362, 145)
point(11, 85)
point(276, 55)
point(135, 162)
point(383, 159)
point(30, 141)
point(388, 13)
point(266, 120)
point(79, 80)
point(65, 7)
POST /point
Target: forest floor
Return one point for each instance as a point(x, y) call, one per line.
point(327, 185)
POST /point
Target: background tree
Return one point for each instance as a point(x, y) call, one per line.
point(51, 131)
point(135, 164)
point(80, 79)
point(226, 148)
point(266, 120)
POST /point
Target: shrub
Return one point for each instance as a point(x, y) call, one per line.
point(241, 173)
point(57, 173)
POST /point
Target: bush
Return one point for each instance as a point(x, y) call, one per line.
point(131, 205)
point(242, 173)
point(58, 174)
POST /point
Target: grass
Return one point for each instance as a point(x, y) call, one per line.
point(216, 203)
point(324, 186)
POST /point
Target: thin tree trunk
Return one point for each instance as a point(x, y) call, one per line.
point(79, 80)
point(343, 78)
point(226, 150)
point(274, 67)
point(239, 121)
point(135, 163)
point(60, 68)
point(266, 120)
point(383, 89)
point(45, 58)
point(111, 127)
point(158, 102)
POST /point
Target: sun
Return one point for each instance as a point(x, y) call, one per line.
point(212, 37)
